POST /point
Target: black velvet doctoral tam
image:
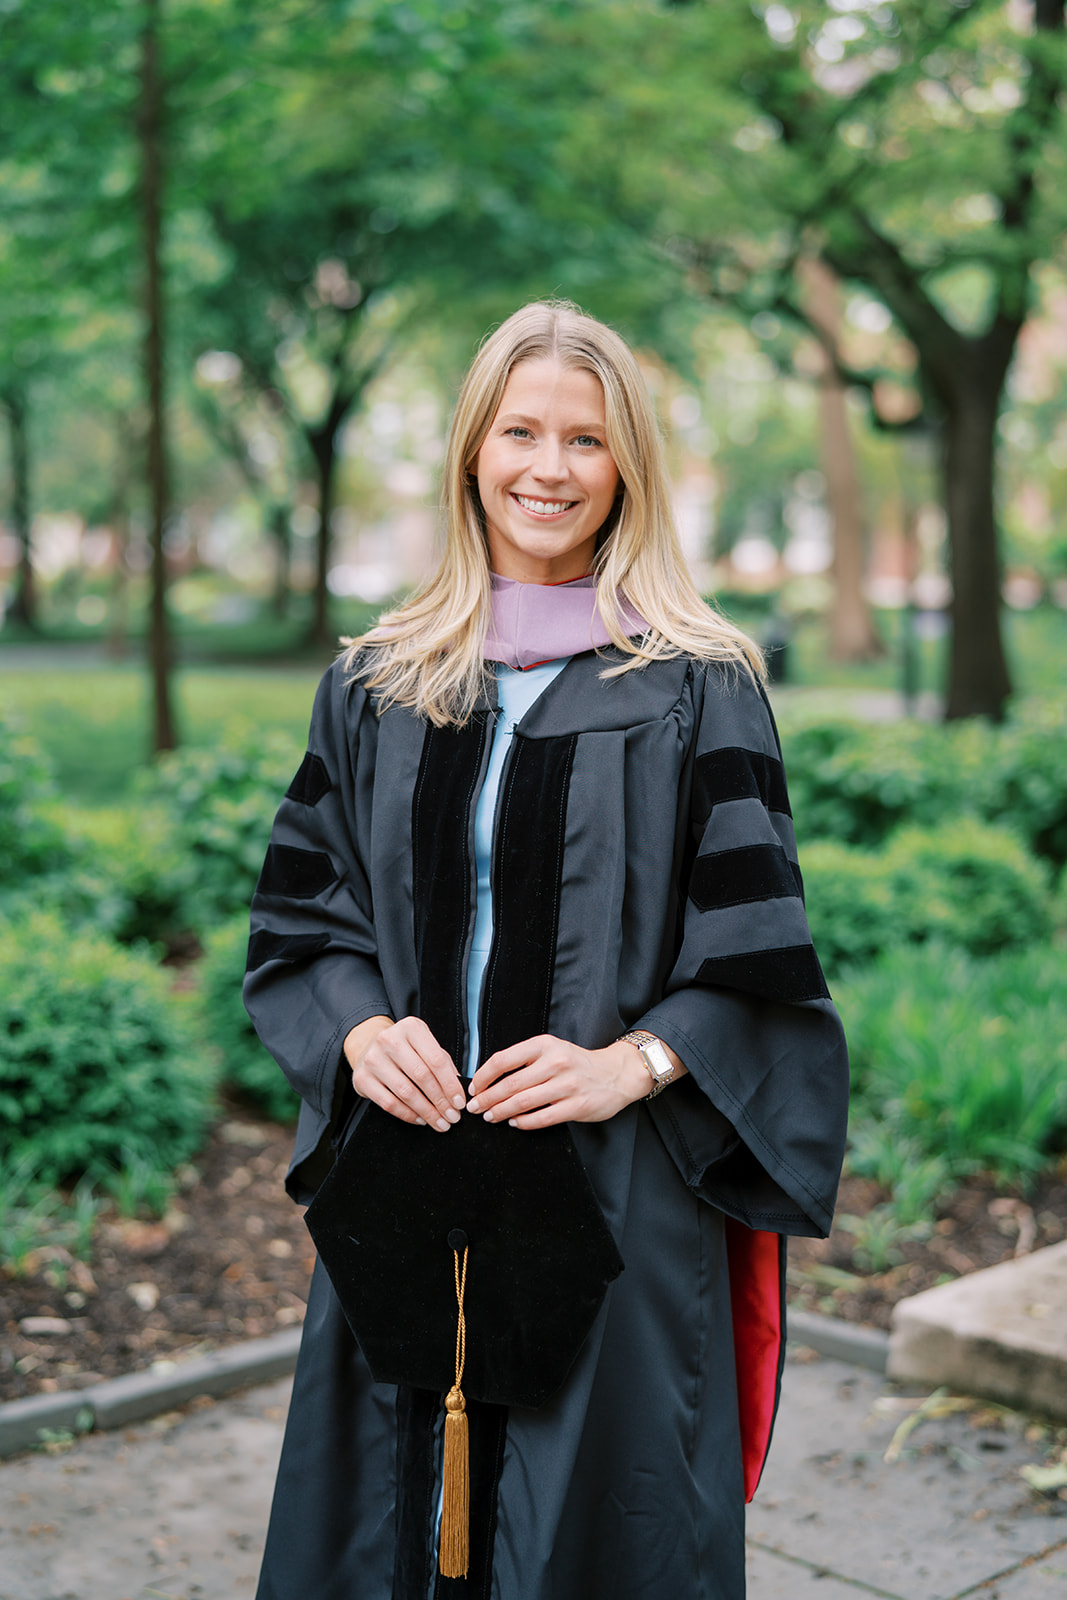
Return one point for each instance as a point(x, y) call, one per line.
point(398, 1205)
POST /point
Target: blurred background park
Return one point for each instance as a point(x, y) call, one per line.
point(245, 255)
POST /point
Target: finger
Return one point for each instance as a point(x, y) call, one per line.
point(547, 1116)
point(371, 1089)
point(516, 1099)
point(448, 1089)
point(391, 1088)
point(523, 1054)
point(504, 1089)
point(407, 1060)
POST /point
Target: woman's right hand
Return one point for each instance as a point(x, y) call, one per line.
point(402, 1068)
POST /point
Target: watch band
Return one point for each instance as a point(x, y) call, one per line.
point(652, 1053)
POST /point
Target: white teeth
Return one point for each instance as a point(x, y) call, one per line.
point(543, 508)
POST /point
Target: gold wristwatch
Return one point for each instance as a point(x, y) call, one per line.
point(656, 1059)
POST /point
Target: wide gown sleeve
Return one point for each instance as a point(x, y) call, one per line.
point(313, 972)
point(758, 1127)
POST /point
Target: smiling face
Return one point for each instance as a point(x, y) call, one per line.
point(545, 475)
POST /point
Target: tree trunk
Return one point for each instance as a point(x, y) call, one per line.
point(24, 604)
point(278, 523)
point(323, 444)
point(119, 519)
point(150, 129)
point(978, 679)
point(853, 636)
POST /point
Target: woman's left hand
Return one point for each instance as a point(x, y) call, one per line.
point(547, 1080)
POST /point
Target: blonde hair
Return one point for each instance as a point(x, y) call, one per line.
point(427, 652)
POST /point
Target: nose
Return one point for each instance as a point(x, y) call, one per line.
point(549, 465)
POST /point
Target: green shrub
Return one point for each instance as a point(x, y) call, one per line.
point(969, 885)
point(218, 806)
point(961, 1060)
point(966, 884)
point(851, 904)
point(32, 840)
point(96, 1067)
point(1029, 784)
point(856, 783)
point(125, 876)
point(245, 1065)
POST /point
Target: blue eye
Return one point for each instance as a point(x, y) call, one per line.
point(587, 438)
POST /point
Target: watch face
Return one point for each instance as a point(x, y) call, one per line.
point(657, 1061)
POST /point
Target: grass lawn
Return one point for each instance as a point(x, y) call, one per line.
point(92, 720)
point(1036, 643)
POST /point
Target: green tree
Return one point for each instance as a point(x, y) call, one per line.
point(400, 164)
point(918, 148)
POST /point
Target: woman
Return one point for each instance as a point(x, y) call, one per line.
point(541, 840)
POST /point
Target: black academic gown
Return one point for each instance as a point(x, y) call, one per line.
point(644, 875)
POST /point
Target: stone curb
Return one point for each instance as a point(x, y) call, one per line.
point(119, 1402)
point(844, 1341)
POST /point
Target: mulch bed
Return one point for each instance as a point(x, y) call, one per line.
point(231, 1260)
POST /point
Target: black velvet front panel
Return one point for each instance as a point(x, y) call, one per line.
point(441, 860)
point(416, 1416)
point(527, 878)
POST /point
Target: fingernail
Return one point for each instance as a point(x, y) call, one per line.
point(442, 1125)
point(512, 1123)
point(453, 1116)
point(420, 1122)
point(488, 1117)
point(459, 1102)
point(472, 1105)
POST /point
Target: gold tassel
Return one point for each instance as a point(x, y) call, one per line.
point(455, 1511)
point(454, 1557)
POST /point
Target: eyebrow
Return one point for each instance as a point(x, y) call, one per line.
point(573, 427)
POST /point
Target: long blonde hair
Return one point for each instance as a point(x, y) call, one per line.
point(427, 652)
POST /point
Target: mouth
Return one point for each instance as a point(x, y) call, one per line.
point(543, 508)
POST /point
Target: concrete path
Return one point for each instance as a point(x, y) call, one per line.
point(176, 1509)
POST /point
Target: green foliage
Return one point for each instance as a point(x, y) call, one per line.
point(913, 1177)
point(1031, 777)
point(958, 1061)
point(879, 1235)
point(245, 1065)
point(856, 783)
point(139, 1185)
point(96, 1066)
point(851, 905)
point(968, 885)
point(218, 806)
point(31, 839)
point(38, 1223)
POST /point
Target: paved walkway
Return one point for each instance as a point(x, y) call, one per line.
point(176, 1509)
